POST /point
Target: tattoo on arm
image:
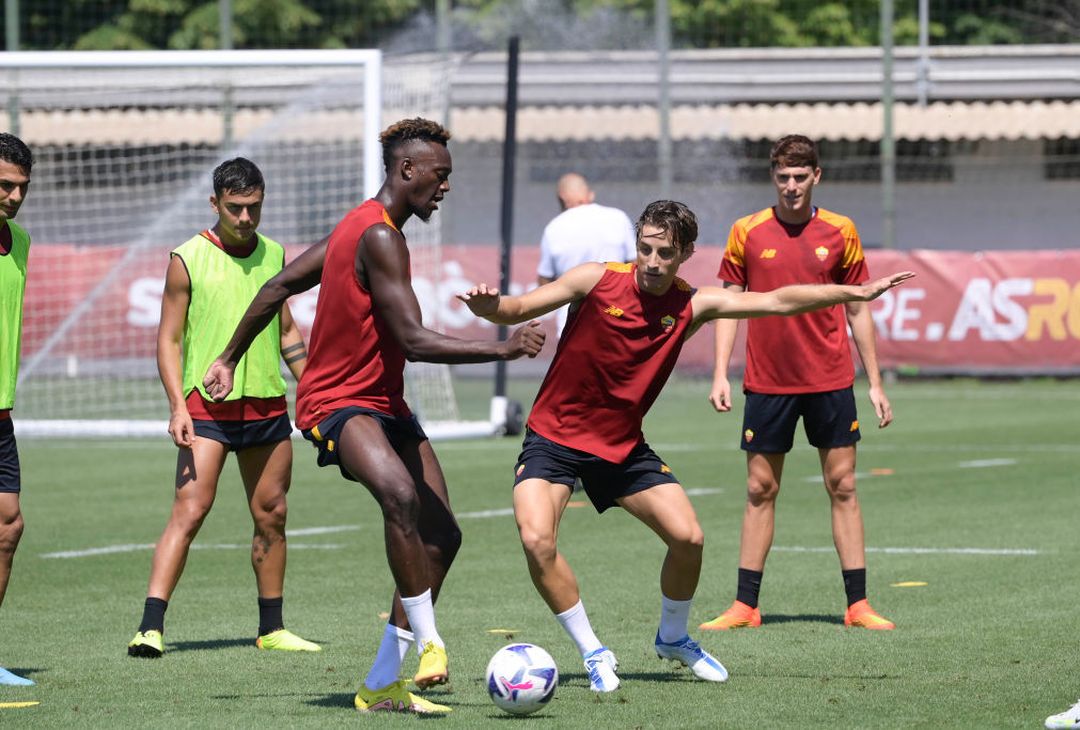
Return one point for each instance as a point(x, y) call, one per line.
point(302, 355)
point(293, 353)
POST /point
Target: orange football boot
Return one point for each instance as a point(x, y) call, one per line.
point(737, 617)
point(860, 614)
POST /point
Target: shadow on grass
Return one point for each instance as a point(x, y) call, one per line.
point(208, 644)
point(662, 675)
point(27, 672)
point(783, 618)
point(341, 700)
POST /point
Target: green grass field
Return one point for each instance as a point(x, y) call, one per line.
point(973, 491)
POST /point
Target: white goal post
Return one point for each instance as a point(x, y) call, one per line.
point(124, 144)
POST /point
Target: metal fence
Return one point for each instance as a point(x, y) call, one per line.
point(986, 146)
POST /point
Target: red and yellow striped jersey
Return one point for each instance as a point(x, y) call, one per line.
point(806, 353)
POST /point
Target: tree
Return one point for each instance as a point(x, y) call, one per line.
point(542, 24)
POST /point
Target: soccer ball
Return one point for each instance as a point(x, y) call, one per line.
point(521, 678)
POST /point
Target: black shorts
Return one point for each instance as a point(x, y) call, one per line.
point(829, 419)
point(10, 474)
point(240, 435)
point(327, 434)
point(604, 481)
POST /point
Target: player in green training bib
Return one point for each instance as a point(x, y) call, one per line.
point(15, 164)
point(209, 283)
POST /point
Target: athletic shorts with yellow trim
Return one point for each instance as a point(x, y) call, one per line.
point(326, 434)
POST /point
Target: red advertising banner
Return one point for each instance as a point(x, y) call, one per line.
point(1000, 312)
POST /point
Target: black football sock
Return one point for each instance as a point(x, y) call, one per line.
point(855, 585)
point(749, 587)
point(153, 617)
point(270, 615)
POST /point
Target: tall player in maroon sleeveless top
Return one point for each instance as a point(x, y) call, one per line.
point(626, 328)
point(350, 401)
point(799, 367)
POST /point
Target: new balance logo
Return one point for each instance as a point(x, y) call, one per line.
point(769, 253)
point(614, 311)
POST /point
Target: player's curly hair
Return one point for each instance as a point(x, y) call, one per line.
point(15, 151)
point(672, 217)
point(794, 150)
point(238, 175)
point(406, 130)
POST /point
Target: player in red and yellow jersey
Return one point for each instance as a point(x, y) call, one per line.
point(350, 401)
point(16, 160)
point(627, 325)
point(798, 367)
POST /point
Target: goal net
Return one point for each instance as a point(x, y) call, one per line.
point(124, 145)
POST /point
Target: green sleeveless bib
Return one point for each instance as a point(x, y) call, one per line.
point(222, 287)
point(12, 286)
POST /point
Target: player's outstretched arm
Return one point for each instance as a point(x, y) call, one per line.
point(714, 303)
point(299, 276)
point(383, 262)
point(489, 303)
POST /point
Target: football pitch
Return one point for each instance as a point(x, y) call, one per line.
point(970, 501)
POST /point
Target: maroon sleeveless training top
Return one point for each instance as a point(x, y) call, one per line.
point(353, 360)
point(614, 357)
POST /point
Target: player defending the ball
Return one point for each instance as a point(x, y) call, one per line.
point(798, 367)
point(627, 325)
point(350, 402)
point(15, 163)
point(208, 284)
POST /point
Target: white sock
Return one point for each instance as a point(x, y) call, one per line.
point(393, 649)
point(674, 616)
point(421, 615)
point(576, 623)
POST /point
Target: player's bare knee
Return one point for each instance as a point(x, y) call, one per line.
point(11, 531)
point(443, 546)
point(841, 488)
point(688, 541)
point(189, 515)
point(539, 545)
point(270, 518)
point(694, 540)
point(400, 505)
point(761, 491)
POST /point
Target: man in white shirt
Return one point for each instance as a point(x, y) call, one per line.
point(585, 231)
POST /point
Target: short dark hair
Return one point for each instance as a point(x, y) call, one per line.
point(794, 150)
point(671, 217)
point(15, 151)
point(406, 130)
point(238, 175)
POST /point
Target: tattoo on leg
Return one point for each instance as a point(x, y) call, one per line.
point(261, 548)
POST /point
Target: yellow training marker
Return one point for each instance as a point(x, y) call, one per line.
point(882, 472)
point(16, 705)
point(909, 584)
